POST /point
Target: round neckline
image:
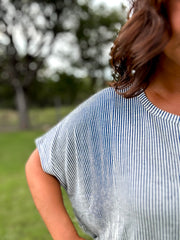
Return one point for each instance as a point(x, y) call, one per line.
point(153, 109)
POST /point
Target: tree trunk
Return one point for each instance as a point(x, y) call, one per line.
point(22, 108)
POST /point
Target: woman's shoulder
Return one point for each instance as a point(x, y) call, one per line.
point(98, 106)
point(100, 101)
point(98, 111)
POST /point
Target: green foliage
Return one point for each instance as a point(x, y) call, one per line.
point(6, 96)
point(19, 218)
point(67, 88)
point(93, 30)
point(46, 29)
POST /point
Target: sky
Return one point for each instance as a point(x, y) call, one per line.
point(111, 3)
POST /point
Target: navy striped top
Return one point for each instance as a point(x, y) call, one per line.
point(119, 161)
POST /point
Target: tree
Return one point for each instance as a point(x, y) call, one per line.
point(95, 35)
point(30, 32)
point(68, 90)
point(18, 69)
point(38, 24)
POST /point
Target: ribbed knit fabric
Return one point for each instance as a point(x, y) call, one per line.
point(119, 161)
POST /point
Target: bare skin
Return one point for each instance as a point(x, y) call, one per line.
point(164, 89)
point(46, 193)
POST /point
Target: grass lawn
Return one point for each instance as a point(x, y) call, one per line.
point(19, 219)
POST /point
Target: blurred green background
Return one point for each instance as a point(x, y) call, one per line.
point(18, 217)
point(53, 56)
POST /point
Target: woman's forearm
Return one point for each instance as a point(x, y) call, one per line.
point(46, 193)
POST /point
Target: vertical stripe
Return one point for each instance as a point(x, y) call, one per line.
point(119, 161)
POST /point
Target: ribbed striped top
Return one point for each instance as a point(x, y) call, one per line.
point(119, 161)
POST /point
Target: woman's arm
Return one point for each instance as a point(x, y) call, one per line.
point(46, 193)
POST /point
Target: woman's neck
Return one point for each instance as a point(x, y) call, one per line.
point(167, 77)
point(164, 88)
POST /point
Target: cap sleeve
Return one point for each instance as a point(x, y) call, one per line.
point(57, 149)
point(70, 149)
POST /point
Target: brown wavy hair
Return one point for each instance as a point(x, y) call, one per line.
point(138, 46)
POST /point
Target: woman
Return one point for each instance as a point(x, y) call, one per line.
point(118, 154)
